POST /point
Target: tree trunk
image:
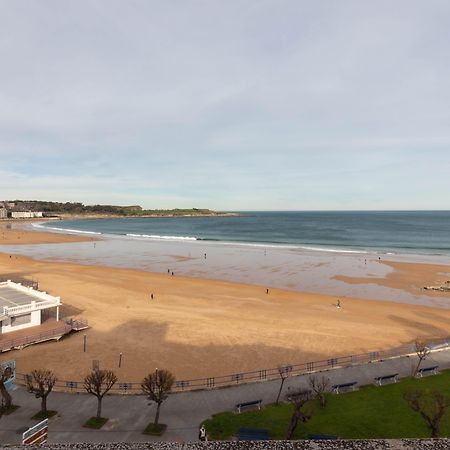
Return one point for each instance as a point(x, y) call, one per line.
point(99, 408)
point(279, 392)
point(157, 413)
point(6, 396)
point(44, 405)
point(417, 367)
point(434, 427)
point(292, 425)
point(322, 400)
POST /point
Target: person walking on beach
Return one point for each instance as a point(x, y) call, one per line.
point(202, 433)
point(267, 291)
point(338, 304)
point(151, 296)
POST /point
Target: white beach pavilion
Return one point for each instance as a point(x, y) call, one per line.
point(21, 307)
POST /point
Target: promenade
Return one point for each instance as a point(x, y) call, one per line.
point(183, 412)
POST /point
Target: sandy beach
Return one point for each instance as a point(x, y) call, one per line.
point(13, 233)
point(411, 277)
point(197, 327)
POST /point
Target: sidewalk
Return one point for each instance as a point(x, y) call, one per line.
point(183, 412)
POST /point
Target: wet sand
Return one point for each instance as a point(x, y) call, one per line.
point(411, 277)
point(339, 274)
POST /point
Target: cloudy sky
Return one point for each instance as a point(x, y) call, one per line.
point(233, 105)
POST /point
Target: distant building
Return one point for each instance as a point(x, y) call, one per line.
point(3, 213)
point(26, 214)
point(21, 307)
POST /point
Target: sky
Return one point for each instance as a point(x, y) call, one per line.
point(228, 105)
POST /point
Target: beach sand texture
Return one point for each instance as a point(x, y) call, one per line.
point(200, 328)
point(411, 277)
point(12, 234)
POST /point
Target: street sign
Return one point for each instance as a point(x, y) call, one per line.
point(37, 434)
point(9, 383)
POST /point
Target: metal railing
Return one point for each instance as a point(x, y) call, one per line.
point(257, 375)
point(77, 324)
point(9, 344)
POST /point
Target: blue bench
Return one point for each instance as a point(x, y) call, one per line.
point(344, 387)
point(253, 434)
point(239, 406)
point(392, 377)
point(323, 437)
point(425, 370)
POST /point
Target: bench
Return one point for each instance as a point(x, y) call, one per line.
point(392, 377)
point(425, 370)
point(253, 434)
point(344, 387)
point(239, 406)
point(323, 437)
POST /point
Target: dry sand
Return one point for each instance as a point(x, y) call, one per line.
point(199, 328)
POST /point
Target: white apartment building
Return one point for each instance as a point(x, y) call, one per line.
point(26, 214)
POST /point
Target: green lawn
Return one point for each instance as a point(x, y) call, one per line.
point(155, 430)
point(370, 412)
point(95, 423)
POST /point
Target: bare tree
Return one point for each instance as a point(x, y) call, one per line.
point(422, 351)
point(319, 386)
point(430, 405)
point(298, 398)
point(40, 383)
point(157, 386)
point(5, 375)
point(283, 372)
point(98, 383)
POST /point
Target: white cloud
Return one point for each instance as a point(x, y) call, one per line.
point(233, 104)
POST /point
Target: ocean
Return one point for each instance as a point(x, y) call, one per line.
point(385, 232)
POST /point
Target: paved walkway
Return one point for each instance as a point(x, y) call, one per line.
point(183, 412)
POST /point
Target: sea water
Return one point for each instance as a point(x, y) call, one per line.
point(418, 232)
